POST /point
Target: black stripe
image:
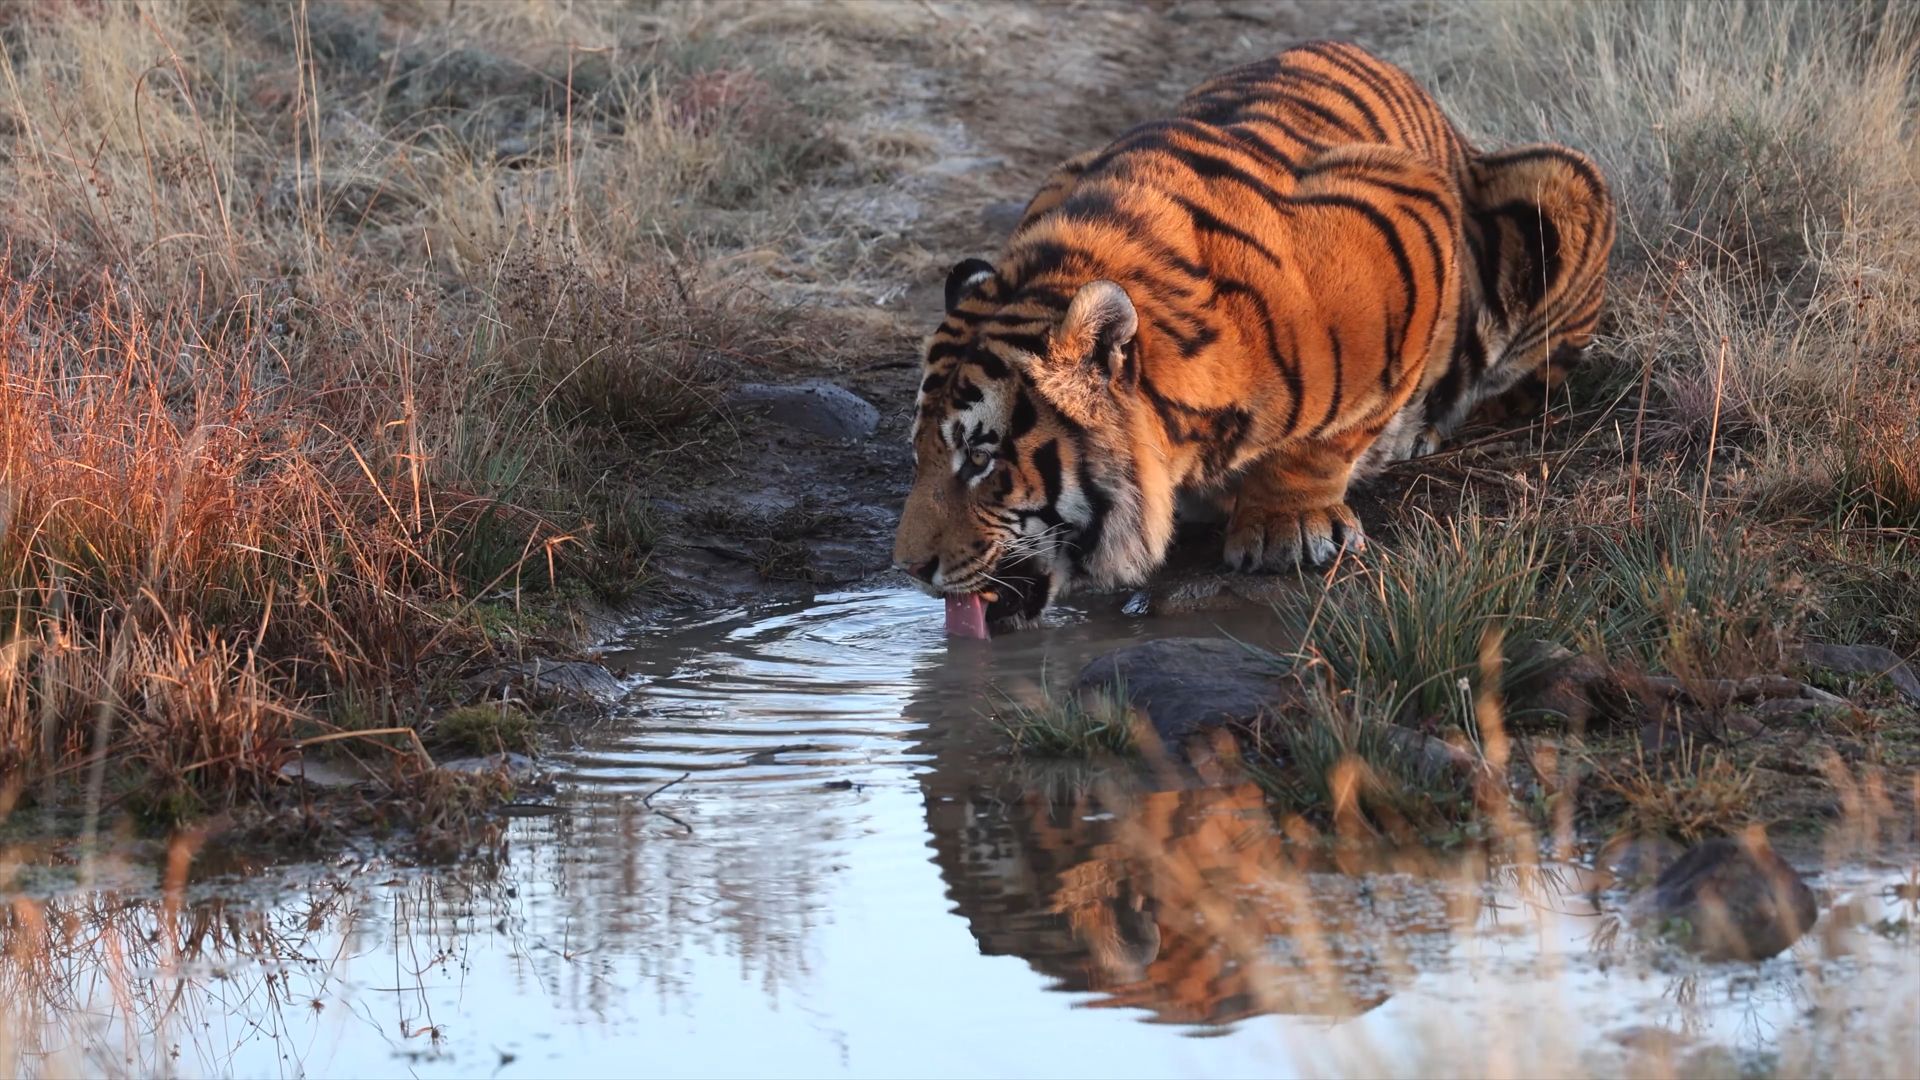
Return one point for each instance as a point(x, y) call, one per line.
point(1333, 403)
point(1296, 385)
point(1315, 78)
point(1087, 541)
point(1286, 129)
point(1261, 146)
point(1036, 344)
point(1379, 221)
point(1395, 102)
point(1206, 221)
point(1046, 462)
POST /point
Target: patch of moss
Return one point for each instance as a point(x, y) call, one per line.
point(484, 729)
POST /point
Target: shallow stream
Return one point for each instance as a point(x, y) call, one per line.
point(800, 849)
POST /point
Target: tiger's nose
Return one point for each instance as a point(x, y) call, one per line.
point(924, 571)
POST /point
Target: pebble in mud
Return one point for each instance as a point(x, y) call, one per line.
point(815, 406)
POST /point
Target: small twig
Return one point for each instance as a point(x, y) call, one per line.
point(647, 801)
point(1713, 433)
point(418, 746)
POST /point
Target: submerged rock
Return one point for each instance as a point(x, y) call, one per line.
point(1189, 685)
point(813, 406)
point(519, 768)
point(1729, 898)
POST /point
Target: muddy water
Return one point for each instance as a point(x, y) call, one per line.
point(799, 850)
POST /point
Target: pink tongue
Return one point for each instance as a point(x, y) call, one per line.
point(966, 616)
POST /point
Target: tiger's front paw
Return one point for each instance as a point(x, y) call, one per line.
point(1263, 539)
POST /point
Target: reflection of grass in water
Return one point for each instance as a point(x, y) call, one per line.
point(1296, 939)
point(100, 984)
point(1341, 759)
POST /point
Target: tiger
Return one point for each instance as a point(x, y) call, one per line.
point(1304, 274)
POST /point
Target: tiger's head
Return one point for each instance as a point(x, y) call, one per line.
point(1028, 473)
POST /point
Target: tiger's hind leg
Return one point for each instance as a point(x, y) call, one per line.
point(1540, 227)
point(1536, 390)
point(1379, 228)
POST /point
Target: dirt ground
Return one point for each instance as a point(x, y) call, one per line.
point(769, 511)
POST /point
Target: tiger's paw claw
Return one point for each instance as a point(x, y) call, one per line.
point(1282, 539)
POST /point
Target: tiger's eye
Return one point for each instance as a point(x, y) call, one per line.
point(979, 459)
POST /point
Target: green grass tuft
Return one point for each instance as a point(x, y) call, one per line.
point(1085, 725)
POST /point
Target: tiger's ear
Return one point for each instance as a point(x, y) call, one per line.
point(964, 278)
point(1091, 361)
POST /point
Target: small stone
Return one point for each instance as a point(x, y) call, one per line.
point(815, 406)
point(1730, 898)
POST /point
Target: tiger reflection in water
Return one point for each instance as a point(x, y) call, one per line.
point(1184, 900)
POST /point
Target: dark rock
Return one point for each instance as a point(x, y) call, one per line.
point(564, 680)
point(1189, 685)
point(1783, 711)
point(1730, 898)
point(818, 407)
point(1430, 754)
point(1864, 660)
point(1554, 681)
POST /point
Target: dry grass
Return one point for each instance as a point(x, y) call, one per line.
point(322, 321)
point(1692, 795)
point(1737, 474)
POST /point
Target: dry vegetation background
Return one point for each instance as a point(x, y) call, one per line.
point(337, 334)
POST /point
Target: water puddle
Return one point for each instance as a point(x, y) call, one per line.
point(801, 850)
